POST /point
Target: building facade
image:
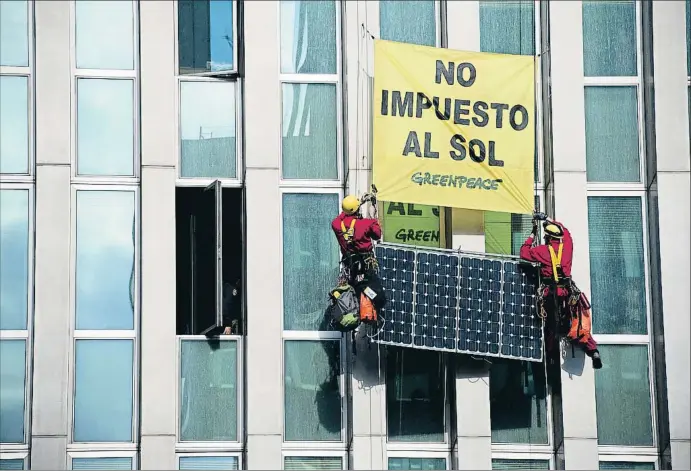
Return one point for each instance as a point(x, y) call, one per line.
point(156, 154)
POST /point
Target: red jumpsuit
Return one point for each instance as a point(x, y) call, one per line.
point(541, 255)
point(364, 231)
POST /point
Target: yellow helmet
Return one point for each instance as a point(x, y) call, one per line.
point(554, 231)
point(350, 204)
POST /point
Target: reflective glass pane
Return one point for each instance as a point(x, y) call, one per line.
point(105, 260)
point(310, 145)
point(14, 259)
point(14, 124)
point(688, 37)
point(12, 390)
point(518, 402)
point(609, 38)
point(625, 465)
point(104, 34)
point(417, 463)
point(14, 33)
point(395, 21)
point(208, 462)
point(520, 464)
point(622, 394)
point(310, 258)
point(205, 36)
point(312, 390)
point(308, 37)
point(105, 127)
point(207, 130)
point(415, 396)
point(611, 134)
point(101, 463)
point(617, 265)
point(208, 391)
point(103, 390)
point(11, 464)
point(312, 462)
point(507, 27)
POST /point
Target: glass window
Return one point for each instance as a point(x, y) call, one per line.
point(103, 404)
point(207, 129)
point(101, 463)
point(308, 37)
point(520, 464)
point(14, 123)
point(625, 465)
point(507, 27)
point(518, 402)
point(310, 258)
point(312, 390)
point(622, 396)
point(617, 265)
point(12, 390)
point(296, 463)
point(417, 463)
point(105, 280)
point(208, 462)
point(105, 127)
point(506, 232)
point(688, 37)
point(14, 259)
point(206, 39)
point(310, 146)
point(611, 130)
point(104, 31)
point(609, 38)
point(208, 391)
point(395, 24)
point(415, 395)
point(14, 33)
point(13, 463)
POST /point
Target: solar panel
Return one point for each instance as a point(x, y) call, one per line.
point(459, 302)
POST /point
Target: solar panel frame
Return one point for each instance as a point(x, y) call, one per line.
point(386, 337)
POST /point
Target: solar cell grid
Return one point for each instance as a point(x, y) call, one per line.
point(464, 303)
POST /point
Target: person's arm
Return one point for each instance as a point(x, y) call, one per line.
point(375, 229)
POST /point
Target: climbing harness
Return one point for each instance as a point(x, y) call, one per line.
point(556, 260)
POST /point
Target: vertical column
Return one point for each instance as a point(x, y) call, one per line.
point(52, 287)
point(568, 121)
point(672, 130)
point(474, 430)
point(263, 201)
point(158, 311)
point(368, 373)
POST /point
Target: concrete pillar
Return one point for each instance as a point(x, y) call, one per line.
point(158, 277)
point(52, 319)
point(673, 188)
point(568, 120)
point(262, 109)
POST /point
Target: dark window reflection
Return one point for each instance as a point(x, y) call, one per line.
point(415, 396)
point(205, 36)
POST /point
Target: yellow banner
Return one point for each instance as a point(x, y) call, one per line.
point(454, 128)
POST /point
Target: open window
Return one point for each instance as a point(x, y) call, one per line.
point(209, 252)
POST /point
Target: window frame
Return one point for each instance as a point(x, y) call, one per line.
point(104, 334)
point(232, 74)
point(430, 454)
point(226, 182)
point(208, 454)
point(110, 74)
point(547, 455)
point(315, 453)
point(635, 339)
point(625, 81)
point(326, 79)
point(9, 454)
point(202, 448)
point(71, 455)
point(26, 71)
point(616, 456)
point(25, 334)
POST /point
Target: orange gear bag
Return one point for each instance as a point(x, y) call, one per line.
point(367, 311)
point(581, 325)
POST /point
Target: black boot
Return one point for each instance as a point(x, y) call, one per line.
point(597, 361)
